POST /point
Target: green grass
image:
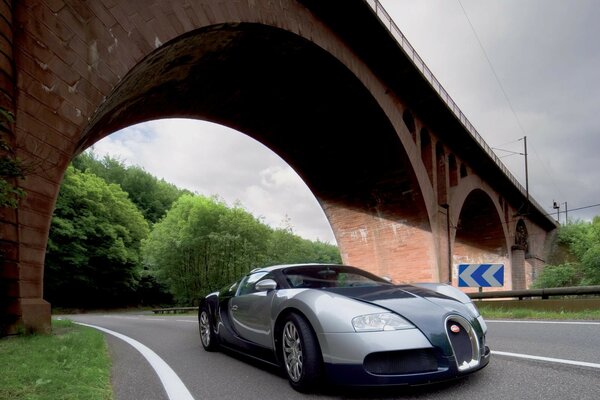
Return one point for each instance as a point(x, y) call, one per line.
point(71, 363)
point(521, 313)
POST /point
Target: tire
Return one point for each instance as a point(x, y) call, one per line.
point(207, 332)
point(300, 354)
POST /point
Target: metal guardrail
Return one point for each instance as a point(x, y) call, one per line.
point(174, 310)
point(387, 21)
point(520, 294)
point(543, 293)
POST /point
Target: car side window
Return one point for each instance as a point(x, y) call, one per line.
point(247, 284)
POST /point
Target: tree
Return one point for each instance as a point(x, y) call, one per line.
point(288, 248)
point(579, 260)
point(93, 253)
point(202, 245)
point(152, 196)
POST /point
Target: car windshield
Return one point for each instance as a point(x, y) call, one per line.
point(329, 276)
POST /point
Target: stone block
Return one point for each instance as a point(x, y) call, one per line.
point(36, 315)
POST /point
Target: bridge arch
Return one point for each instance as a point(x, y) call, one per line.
point(78, 72)
point(260, 84)
point(272, 71)
point(480, 235)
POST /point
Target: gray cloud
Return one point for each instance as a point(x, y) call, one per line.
point(211, 159)
point(547, 58)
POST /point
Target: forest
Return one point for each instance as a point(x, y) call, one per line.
point(121, 237)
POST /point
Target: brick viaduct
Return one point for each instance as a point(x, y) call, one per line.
point(408, 187)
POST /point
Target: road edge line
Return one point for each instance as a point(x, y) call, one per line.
point(547, 359)
point(174, 386)
point(513, 321)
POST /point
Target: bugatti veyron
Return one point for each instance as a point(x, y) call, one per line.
point(345, 325)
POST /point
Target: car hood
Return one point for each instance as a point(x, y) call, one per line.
point(424, 308)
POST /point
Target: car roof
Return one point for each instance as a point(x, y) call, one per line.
point(282, 266)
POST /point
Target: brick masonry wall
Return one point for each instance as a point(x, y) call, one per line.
point(71, 55)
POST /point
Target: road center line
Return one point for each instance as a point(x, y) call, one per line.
point(175, 388)
point(543, 322)
point(547, 359)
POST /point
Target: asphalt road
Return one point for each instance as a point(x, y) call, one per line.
point(225, 376)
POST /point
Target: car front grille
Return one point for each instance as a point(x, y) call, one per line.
point(464, 342)
point(401, 362)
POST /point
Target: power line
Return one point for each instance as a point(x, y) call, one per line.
point(492, 67)
point(511, 142)
point(581, 208)
point(504, 92)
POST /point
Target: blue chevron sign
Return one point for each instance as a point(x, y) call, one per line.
point(480, 275)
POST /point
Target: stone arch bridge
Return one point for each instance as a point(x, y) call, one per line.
point(409, 187)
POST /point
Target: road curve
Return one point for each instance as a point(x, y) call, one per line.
point(217, 375)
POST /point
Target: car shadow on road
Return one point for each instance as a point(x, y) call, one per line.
point(395, 392)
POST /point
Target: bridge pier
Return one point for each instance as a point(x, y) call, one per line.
point(518, 268)
point(398, 246)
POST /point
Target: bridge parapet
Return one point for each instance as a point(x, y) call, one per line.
point(420, 65)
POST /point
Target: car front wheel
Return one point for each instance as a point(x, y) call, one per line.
point(301, 354)
point(207, 334)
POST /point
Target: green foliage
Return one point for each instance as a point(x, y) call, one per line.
point(93, 253)
point(490, 310)
point(201, 245)
point(287, 248)
point(562, 275)
point(152, 196)
point(11, 168)
point(591, 265)
point(196, 245)
point(581, 264)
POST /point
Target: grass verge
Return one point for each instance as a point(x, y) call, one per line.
point(71, 363)
point(489, 311)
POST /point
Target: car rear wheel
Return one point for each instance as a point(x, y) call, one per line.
point(301, 354)
point(207, 334)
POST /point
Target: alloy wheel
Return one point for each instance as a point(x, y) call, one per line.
point(204, 329)
point(292, 351)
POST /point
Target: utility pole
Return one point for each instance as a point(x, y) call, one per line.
point(556, 206)
point(566, 213)
point(447, 207)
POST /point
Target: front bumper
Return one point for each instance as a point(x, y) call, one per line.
point(357, 375)
point(394, 358)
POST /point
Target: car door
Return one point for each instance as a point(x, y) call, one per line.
point(250, 311)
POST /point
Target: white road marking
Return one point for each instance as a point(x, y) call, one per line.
point(175, 388)
point(543, 322)
point(547, 359)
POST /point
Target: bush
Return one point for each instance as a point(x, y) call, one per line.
point(559, 276)
point(591, 265)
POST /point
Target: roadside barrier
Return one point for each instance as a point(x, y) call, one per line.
point(543, 293)
point(526, 299)
point(174, 310)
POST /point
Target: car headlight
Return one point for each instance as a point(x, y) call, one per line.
point(380, 322)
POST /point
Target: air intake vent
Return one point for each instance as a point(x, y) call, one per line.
point(401, 362)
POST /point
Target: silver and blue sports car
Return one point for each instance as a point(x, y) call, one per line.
point(347, 326)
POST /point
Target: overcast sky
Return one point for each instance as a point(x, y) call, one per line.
point(545, 54)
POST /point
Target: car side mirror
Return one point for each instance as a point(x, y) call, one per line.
point(265, 285)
